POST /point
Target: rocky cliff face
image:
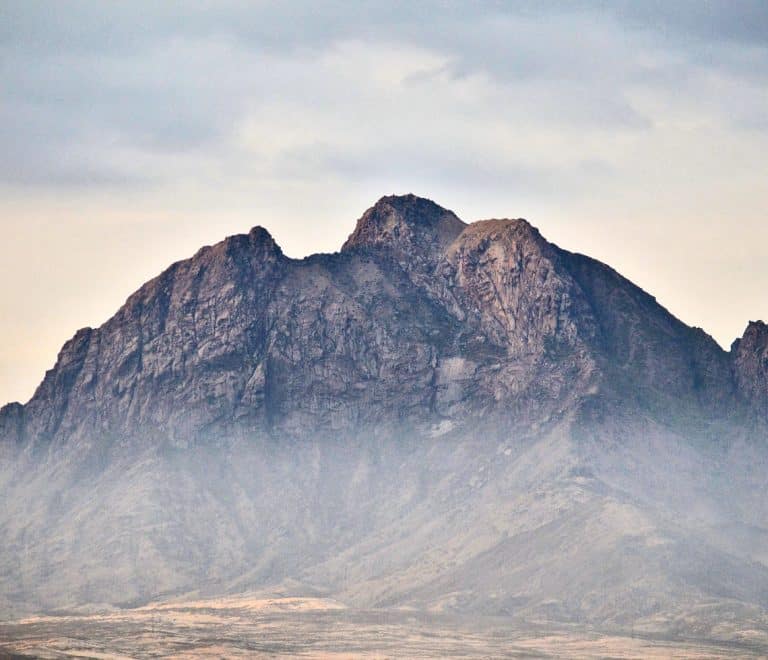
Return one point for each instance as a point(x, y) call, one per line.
point(179, 354)
point(750, 360)
point(416, 411)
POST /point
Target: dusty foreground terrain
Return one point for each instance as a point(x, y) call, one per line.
point(321, 628)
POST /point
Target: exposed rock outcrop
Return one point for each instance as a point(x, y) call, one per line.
point(409, 227)
point(750, 360)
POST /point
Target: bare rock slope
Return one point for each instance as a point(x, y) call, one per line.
point(441, 415)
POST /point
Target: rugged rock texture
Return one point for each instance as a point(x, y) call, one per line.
point(750, 358)
point(413, 229)
point(420, 318)
point(180, 353)
point(441, 415)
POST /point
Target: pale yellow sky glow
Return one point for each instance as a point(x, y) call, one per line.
point(639, 139)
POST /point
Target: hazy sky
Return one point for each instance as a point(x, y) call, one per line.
point(133, 133)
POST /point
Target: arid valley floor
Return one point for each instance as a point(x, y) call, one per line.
point(258, 626)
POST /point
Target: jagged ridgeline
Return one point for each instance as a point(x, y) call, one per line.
point(447, 416)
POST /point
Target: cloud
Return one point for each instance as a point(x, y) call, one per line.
point(88, 90)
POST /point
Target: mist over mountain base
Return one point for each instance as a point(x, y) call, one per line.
point(468, 532)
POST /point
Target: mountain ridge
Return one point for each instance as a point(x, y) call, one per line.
point(351, 244)
point(378, 231)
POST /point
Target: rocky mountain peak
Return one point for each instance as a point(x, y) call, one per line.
point(407, 225)
point(260, 235)
point(750, 360)
point(10, 421)
point(258, 243)
point(754, 340)
point(512, 277)
point(757, 328)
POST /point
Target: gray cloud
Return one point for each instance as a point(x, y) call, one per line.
point(161, 78)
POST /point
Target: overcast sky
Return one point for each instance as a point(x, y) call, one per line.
point(133, 133)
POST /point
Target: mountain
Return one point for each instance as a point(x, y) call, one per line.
point(443, 416)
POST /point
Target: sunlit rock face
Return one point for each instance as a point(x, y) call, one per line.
point(412, 228)
point(441, 415)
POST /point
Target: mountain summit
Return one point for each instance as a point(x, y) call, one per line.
point(408, 225)
point(445, 416)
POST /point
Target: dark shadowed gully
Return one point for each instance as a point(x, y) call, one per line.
point(460, 419)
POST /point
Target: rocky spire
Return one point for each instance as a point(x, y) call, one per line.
point(750, 363)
